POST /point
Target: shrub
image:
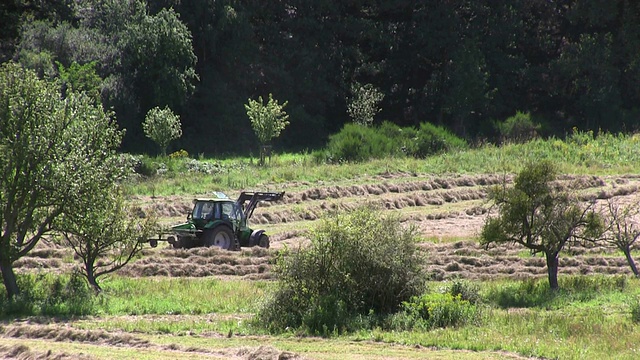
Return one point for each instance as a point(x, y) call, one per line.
point(358, 143)
point(527, 293)
point(518, 128)
point(466, 290)
point(432, 139)
point(436, 310)
point(404, 139)
point(358, 263)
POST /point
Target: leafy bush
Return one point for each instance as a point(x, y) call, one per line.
point(518, 128)
point(358, 263)
point(49, 294)
point(162, 126)
point(466, 290)
point(356, 142)
point(403, 138)
point(432, 139)
point(435, 310)
point(360, 143)
point(527, 293)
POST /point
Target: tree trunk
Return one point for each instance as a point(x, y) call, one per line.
point(9, 278)
point(627, 253)
point(91, 279)
point(552, 269)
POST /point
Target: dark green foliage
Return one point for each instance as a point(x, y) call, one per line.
point(357, 142)
point(518, 128)
point(458, 64)
point(360, 143)
point(432, 139)
point(50, 295)
point(358, 263)
point(466, 289)
point(528, 293)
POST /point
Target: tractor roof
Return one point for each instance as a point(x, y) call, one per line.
point(218, 196)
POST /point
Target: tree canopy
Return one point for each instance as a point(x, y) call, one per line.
point(56, 151)
point(464, 64)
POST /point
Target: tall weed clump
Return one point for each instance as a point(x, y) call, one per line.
point(359, 263)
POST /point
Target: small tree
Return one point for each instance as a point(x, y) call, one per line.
point(162, 126)
point(105, 233)
point(622, 231)
point(54, 152)
point(364, 103)
point(538, 215)
point(267, 120)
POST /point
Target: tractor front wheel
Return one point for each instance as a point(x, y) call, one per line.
point(221, 236)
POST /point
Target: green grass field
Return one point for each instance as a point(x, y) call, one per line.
point(591, 317)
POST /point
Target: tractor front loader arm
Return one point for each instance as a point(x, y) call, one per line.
point(254, 197)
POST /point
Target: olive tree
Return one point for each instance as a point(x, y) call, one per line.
point(267, 120)
point(105, 232)
point(540, 215)
point(162, 126)
point(55, 151)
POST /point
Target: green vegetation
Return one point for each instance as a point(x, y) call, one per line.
point(359, 263)
point(538, 216)
point(105, 234)
point(56, 153)
point(460, 65)
point(162, 126)
point(590, 316)
point(267, 120)
point(580, 153)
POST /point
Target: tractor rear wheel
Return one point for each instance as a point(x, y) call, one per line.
point(264, 241)
point(221, 236)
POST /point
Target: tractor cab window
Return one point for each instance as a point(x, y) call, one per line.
point(203, 210)
point(228, 212)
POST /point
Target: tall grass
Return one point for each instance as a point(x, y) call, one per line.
point(176, 296)
point(68, 295)
point(579, 153)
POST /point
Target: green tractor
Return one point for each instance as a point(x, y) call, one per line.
point(221, 222)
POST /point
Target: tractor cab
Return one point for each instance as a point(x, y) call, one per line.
point(206, 211)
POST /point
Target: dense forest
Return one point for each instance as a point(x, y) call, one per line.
point(462, 64)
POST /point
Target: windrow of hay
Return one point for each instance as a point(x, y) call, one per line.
point(201, 262)
point(468, 260)
point(266, 353)
point(64, 334)
point(25, 353)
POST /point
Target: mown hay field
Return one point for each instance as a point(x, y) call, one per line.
point(448, 212)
